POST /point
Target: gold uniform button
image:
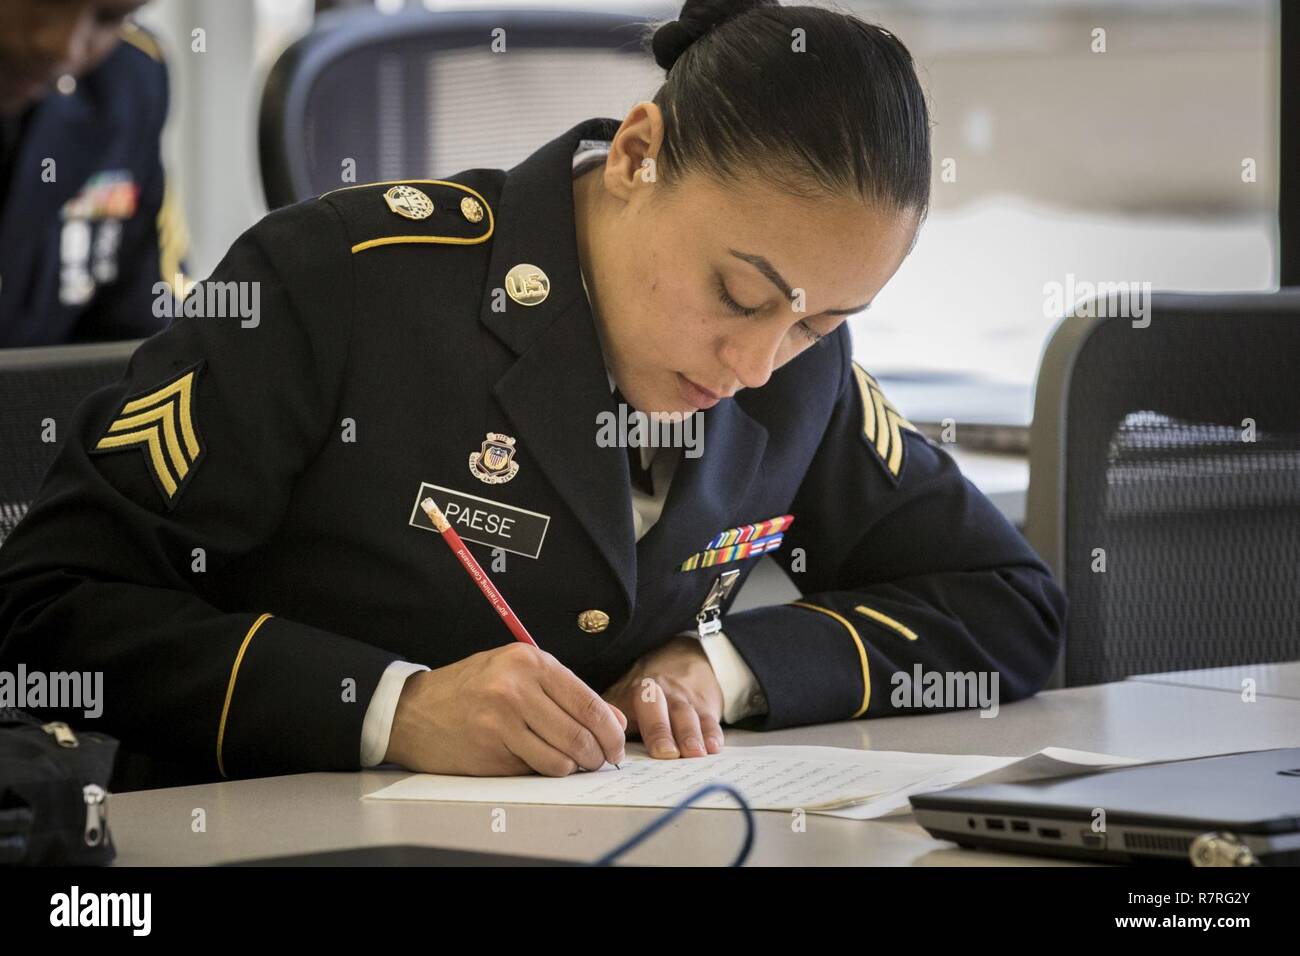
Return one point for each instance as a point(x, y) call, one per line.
point(593, 621)
point(527, 284)
point(471, 209)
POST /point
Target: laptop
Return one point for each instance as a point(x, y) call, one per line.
point(1229, 809)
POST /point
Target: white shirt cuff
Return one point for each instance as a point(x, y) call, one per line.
point(378, 725)
point(741, 694)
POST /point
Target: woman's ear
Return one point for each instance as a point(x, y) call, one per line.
point(634, 151)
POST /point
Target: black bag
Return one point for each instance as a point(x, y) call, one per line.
point(53, 792)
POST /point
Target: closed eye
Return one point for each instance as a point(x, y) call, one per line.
point(809, 332)
point(805, 330)
point(732, 305)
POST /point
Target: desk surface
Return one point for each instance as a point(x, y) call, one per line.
point(309, 812)
point(1271, 680)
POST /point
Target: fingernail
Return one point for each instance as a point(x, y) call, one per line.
point(667, 750)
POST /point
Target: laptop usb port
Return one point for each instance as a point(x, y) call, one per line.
point(993, 824)
point(1049, 833)
point(1020, 826)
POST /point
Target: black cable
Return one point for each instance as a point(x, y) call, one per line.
point(667, 817)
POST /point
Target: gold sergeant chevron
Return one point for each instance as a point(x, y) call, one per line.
point(882, 423)
point(161, 424)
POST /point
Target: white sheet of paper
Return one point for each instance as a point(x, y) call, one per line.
point(770, 777)
point(1048, 762)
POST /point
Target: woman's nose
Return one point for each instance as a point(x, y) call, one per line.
point(752, 355)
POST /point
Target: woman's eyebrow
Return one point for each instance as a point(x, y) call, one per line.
point(769, 271)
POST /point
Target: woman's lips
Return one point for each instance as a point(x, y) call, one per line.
point(697, 395)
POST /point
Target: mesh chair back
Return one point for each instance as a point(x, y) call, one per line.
point(39, 389)
point(366, 97)
point(1165, 484)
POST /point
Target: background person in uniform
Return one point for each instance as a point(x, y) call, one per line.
point(233, 534)
point(87, 224)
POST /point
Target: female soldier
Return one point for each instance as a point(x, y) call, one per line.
point(234, 535)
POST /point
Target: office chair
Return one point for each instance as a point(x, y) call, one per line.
point(367, 97)
point(39, 389)
point(43, 384)
point(1165, 484)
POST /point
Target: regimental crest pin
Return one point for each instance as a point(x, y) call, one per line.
point(494, 462)
point(409, 202)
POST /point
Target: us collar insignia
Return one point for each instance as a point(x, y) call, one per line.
point(494, 462)
point(736, 544)
point(527, 284)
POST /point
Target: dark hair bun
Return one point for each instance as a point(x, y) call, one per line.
point(697, 18)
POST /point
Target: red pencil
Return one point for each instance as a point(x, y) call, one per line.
point(477, 573)
point(480, 577)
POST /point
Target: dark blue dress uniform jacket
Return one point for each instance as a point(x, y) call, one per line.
point(315, 575)
point(76, 264)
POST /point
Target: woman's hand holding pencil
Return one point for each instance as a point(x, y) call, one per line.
point(507, 711)
point(510, 710)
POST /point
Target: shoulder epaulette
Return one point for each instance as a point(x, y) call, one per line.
point(413, 211)
point(142, 40)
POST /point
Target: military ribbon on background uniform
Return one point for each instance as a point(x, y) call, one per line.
point(111, 194)
point(736, 544)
